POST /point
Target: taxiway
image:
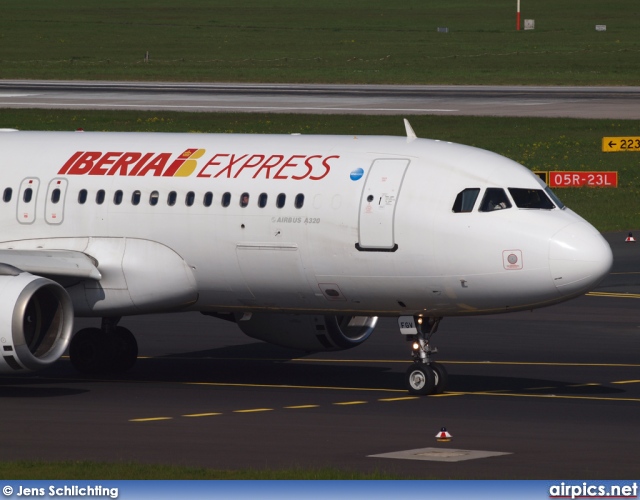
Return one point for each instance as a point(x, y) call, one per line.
point(556, 390)
point(572, 102)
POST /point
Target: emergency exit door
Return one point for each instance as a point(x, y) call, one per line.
point(27, 197)
point(54, 204)
point(378, 204)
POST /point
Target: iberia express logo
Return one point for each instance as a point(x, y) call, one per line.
point(132, 164)
point(185, 165)
point(221, 165)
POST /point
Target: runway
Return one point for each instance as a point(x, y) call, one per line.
point(556, 390)
point(571, 102)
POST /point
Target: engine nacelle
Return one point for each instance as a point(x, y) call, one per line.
point(36, 321)
point(308, 332)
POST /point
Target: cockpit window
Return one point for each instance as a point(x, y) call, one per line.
point(494, 199)
point(531, 198)
point(465, 200)
point(553, 197)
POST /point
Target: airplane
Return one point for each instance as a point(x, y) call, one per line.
point(301, 240)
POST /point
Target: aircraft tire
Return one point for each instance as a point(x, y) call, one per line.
point(90, 351)
point(442, 377)
point(421, 379)
point(126, 350)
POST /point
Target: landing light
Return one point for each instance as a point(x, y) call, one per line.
point(416, 346)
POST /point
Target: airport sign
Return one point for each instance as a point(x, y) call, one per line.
point(562, 179)
point(616, 144)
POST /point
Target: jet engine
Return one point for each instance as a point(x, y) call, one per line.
point(308, 332)
point(36, 319)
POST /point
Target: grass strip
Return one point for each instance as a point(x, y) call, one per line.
point(359, 41)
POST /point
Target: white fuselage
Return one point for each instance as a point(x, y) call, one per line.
point(366, 224)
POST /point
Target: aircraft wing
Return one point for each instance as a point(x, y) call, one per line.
point(55, 263)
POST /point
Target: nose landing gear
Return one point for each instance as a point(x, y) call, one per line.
point(424, 376)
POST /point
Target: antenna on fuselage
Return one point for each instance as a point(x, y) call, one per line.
point(410, 133)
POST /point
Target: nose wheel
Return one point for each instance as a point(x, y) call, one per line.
point(421, 379)
point(424, 380)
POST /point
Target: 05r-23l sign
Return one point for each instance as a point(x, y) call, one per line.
point(562, 179)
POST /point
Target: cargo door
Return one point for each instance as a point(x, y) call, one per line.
point(273, 272)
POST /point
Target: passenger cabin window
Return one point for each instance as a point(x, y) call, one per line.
point(28, 193)
point(262, 200)
point(171, 198)
point(55, 196)
point(153, 198)
point(208, 199)
point(6, 197)
point(299, 201)
point(465, 200)
point(531, 198)
point(190, 198)
point(281, 200)
point(117, 197)
point(82, 196)
point(135, 197)
point(100, 197)
point(226, 199)
point(494, 199)
point(244, 200)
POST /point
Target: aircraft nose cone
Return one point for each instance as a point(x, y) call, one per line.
point(579, 257)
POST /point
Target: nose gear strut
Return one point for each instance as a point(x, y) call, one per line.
point(424, 376)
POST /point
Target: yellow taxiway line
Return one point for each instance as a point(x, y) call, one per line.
point(612, 294)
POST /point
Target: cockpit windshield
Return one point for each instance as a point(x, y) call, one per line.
point(494, 199)
point(497, 199)
point(465, 200)
point(553, 197)
point(531, 198)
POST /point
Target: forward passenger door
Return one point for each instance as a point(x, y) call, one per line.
point(378, 204)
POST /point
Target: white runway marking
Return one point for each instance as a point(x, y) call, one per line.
point(260, 108)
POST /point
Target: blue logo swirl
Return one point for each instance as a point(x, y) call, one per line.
point(357, 174)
